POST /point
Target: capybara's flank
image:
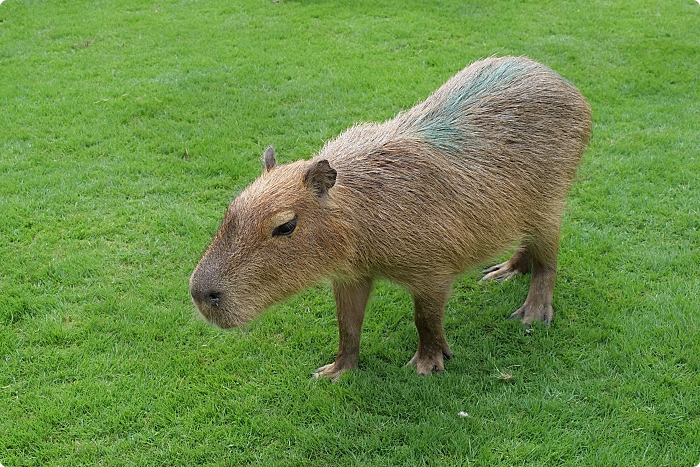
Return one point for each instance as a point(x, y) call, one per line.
point(484, 163)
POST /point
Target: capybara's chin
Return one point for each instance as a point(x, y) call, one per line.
point(225, 318)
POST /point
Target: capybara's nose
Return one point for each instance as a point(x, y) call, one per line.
point(206, 297)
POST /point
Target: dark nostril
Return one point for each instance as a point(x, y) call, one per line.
point(214, 298)
point(207, 297)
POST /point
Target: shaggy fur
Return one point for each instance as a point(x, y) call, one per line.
point(485, 162)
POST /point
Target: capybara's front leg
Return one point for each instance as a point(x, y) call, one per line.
point(351, 301)
point(432, 347)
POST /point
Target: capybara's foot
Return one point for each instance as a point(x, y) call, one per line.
point(534, 312)
point(427, 363)
point(519, 263)
point(500, 272)
point(332, 371)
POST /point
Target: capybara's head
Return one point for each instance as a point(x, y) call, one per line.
point(280, 235)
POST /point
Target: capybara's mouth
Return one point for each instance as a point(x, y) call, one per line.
point(222, 316)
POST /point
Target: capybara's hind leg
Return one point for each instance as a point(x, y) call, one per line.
point(350, 301)
point(432, 347)
point(519, 263)
point(538, 304)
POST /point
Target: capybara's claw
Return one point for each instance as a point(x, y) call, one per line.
point(430, 364)
point(495, 267)
point(330, 371)
point(519, 263)
point(529, 313)
point(499, 273)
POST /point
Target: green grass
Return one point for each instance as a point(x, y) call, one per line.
point(126, 128)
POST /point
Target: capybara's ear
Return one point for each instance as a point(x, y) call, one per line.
point(269, 158)
point(320, 177)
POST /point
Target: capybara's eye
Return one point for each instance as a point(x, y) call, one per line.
point(285, 229)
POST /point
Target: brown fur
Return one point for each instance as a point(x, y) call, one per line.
point(484, 162)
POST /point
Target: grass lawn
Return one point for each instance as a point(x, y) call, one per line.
point(127, 127)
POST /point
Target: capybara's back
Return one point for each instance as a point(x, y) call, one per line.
point(484, 163)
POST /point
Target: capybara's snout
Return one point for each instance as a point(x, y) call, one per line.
point(219, 297)
point(208, 295)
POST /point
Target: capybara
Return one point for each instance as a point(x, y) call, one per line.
point(482, 165)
